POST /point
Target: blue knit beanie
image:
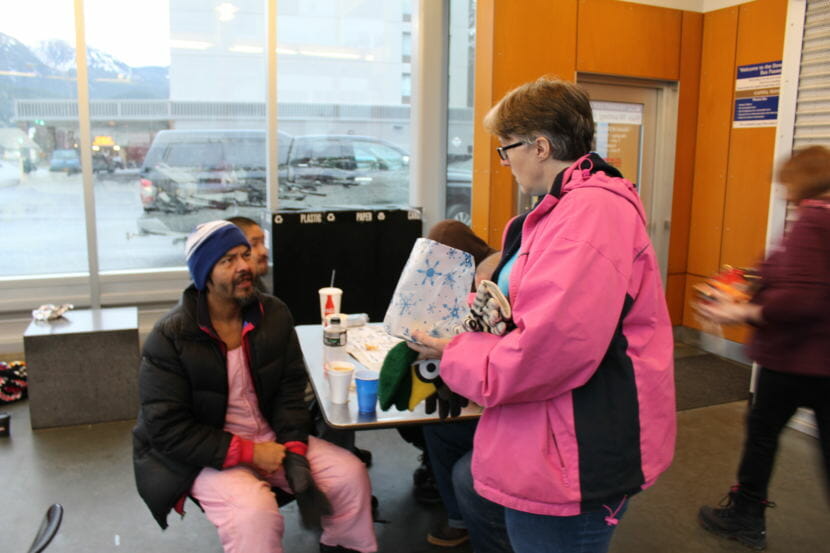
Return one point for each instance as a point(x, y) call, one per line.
point(206, 245)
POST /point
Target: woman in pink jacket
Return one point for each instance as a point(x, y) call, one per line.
point(578, 397)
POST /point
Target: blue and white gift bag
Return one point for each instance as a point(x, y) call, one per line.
point(432, 291)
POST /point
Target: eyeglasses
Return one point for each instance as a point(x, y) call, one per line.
point(502, 150)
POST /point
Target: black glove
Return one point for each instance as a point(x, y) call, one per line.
point(449, 403)
point(312, 502)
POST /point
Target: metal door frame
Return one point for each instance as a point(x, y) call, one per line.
point(661, 160)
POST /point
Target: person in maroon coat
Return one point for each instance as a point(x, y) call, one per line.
point(791, 315)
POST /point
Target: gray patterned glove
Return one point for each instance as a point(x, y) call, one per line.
point(490, 311)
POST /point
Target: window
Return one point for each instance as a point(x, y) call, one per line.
point(340, 101)
point(177, 119)
point(406, 47)
point(406, 88)
point(177, 95)
point(460, 114)
point(41, 195)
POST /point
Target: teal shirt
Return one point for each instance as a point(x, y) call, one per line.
point(504, 275)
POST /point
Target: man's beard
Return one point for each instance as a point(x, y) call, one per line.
point(245, 301)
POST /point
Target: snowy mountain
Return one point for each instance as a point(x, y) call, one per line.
point(56, 54)
point(60, 56)
point(47, 71)
point(16, 57)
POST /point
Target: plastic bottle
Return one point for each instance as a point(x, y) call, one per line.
point(334, 340)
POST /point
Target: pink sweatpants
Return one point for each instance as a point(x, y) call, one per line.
point(240, 503)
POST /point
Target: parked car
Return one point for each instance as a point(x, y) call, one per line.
point(65, 160)
point(9, 173)
point(188, 173)
point(459, 185)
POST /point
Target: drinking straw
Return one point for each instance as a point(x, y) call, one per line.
point(332, 279)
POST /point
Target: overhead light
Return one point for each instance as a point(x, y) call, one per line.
point(18, 73)
point(190, 44)
point(242, 49)
point(330, 54)
point(225, 11)
point(286, 51)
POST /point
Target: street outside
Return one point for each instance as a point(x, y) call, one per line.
point(42, 226)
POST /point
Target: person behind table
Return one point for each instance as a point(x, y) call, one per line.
point(791, 315)
point(447, 442)
point(579, 410)
point(259, 249)
point(222, 417)
point(430, 488)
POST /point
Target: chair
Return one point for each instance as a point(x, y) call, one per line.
point(48, 528)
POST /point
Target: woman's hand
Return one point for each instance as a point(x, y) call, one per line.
point(428, 347)
point(721, 309)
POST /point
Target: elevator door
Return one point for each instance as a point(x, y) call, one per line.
point(635, 133)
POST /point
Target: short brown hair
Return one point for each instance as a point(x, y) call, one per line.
point(807, 173)
point(242, 222)
point(558, 110)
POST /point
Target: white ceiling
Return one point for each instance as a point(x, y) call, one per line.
point(701, 6)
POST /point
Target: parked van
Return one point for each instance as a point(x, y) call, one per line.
point(193, 176)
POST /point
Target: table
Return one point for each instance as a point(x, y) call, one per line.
point(83, 367)
point(346, 416)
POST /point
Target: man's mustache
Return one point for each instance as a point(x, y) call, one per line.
point(243, 276)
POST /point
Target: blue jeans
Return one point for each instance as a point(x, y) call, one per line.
point(447, 443)
point(496, 529)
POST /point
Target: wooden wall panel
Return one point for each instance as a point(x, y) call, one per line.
point(751, 154)
point(622, 38)
point(684, 159)
point(483, 98)
point(761, 31)
point(751, 151)
point(717, 75)
point(523, 48)
point(691, 42)
point(675, 297)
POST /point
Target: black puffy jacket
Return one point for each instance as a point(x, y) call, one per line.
point(183, 388)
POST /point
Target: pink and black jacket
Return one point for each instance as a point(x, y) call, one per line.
point(579, 397)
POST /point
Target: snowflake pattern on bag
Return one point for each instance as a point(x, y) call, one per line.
point(431, 294)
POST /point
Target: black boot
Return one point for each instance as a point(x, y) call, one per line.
point(425, 489)
point(739, 517)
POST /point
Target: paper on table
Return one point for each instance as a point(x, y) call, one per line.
point(431, 294)
point(369, 345)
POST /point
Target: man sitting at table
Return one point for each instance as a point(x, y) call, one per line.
point(259, 267)
point(222, 416)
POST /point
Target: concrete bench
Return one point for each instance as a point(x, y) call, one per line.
point(83, 367)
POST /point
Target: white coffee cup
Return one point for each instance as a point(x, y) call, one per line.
point(329, 301)
point(340, 379)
